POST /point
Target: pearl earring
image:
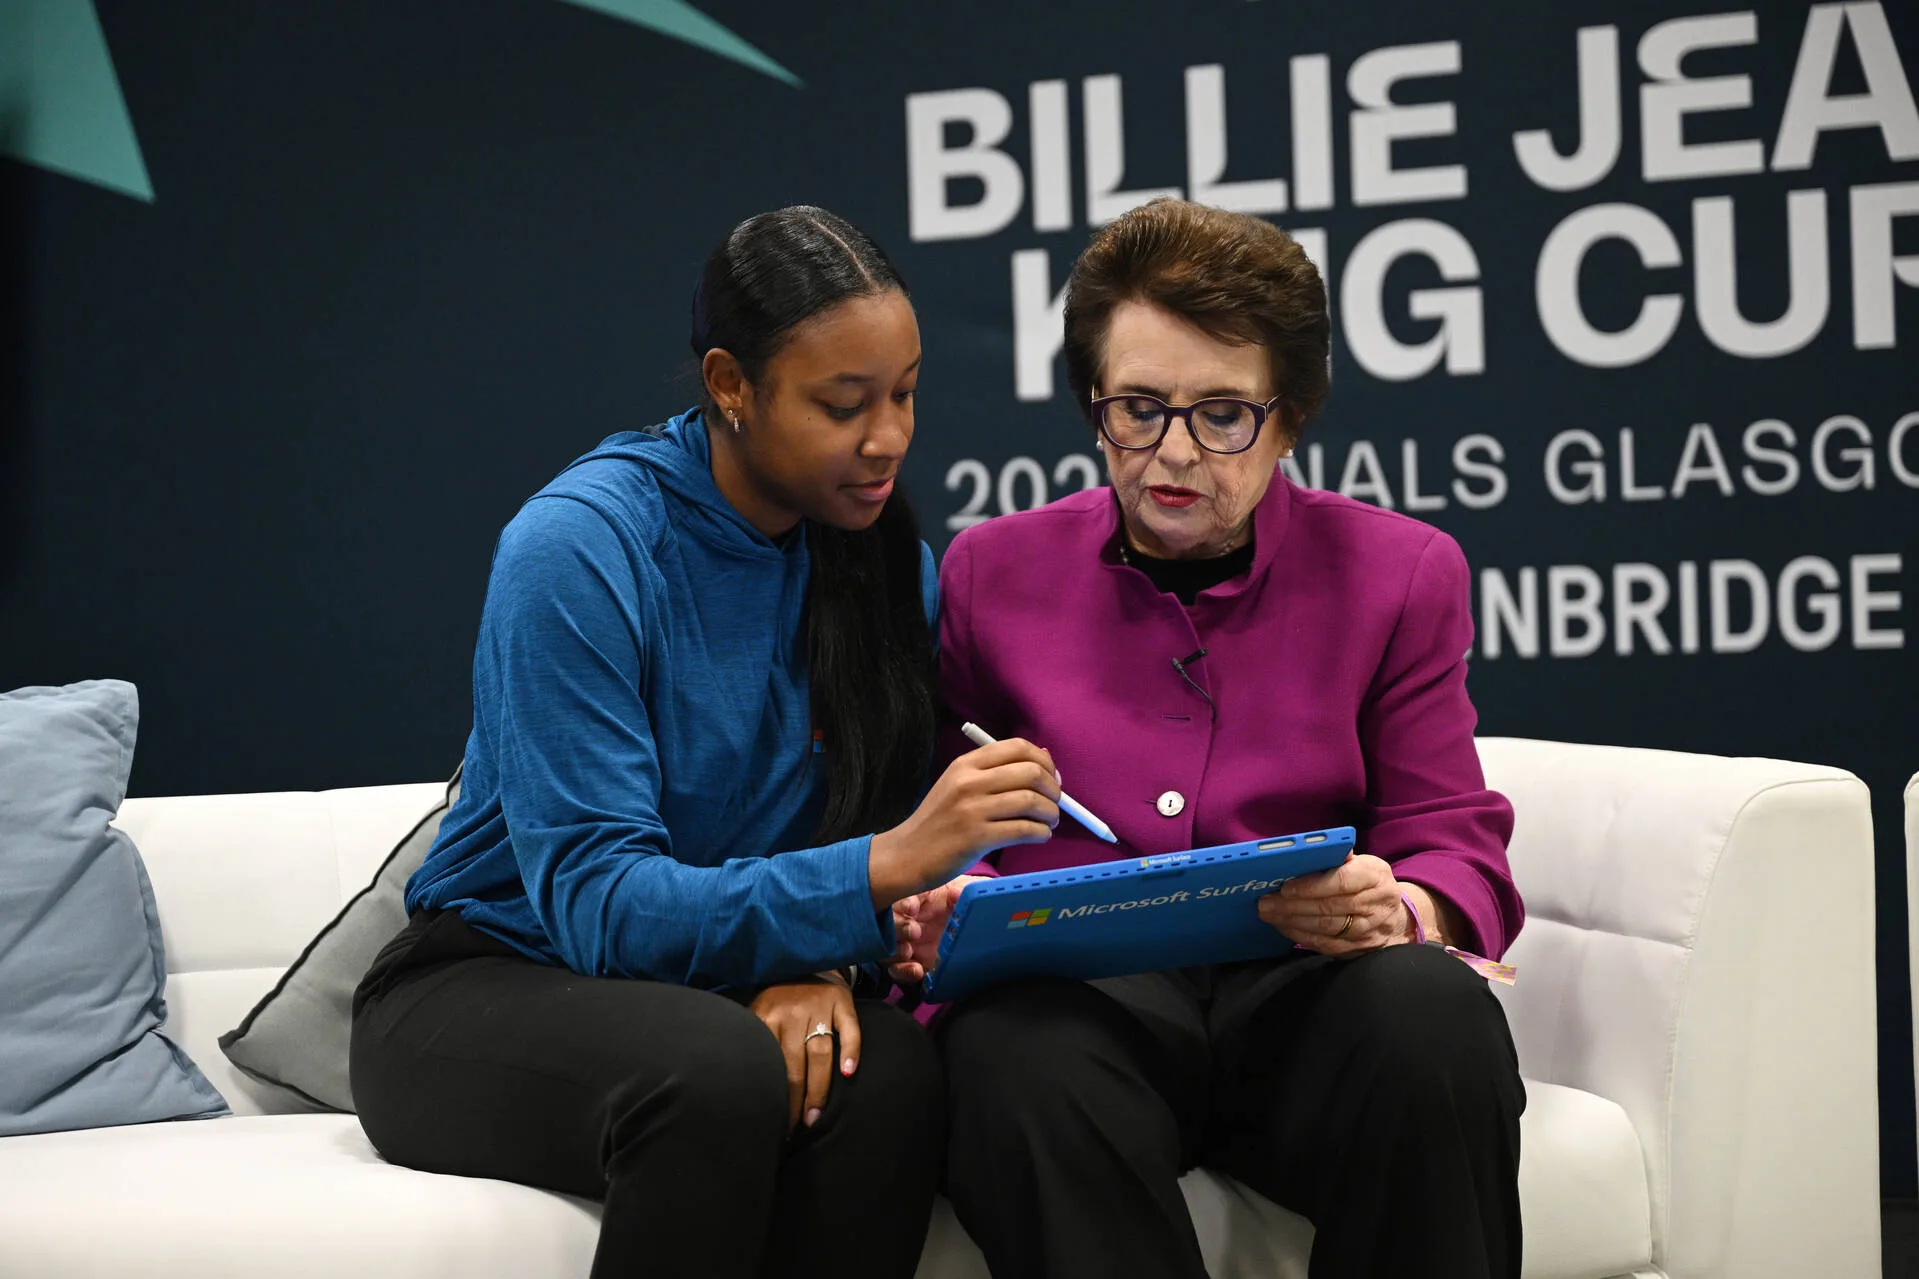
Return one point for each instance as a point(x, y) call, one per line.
point(734, 418)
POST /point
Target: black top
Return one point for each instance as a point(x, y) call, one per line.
point(1185, 579)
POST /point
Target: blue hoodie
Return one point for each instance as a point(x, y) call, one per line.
point(642, 782)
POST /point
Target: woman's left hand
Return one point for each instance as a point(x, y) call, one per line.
point(920, 921)
point(1352, 908)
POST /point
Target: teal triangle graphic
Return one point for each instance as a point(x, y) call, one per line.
point(683, 22)
point(60, 101)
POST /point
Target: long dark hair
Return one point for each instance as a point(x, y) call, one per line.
point(869, 651)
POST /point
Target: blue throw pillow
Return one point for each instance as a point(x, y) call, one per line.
point(82, 971)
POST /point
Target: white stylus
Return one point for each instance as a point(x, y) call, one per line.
point(1068, 805)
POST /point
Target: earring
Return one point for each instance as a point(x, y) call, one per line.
point(734, 418)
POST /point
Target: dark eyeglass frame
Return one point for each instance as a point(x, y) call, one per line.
point(1174, 412)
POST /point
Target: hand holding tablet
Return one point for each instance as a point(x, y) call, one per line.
point(1141, 914)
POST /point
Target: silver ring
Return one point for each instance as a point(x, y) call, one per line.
point(821, 1029)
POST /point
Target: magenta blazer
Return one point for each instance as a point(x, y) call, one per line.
point(1337, 664)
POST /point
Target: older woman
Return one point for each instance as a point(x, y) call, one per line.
point(1211, 654)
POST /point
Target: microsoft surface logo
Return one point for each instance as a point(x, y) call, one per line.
point(1030, 918)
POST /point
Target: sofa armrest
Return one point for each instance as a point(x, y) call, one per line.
point(1699, 949)
point(1912, 912)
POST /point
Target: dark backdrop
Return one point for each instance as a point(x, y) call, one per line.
point(402, 260)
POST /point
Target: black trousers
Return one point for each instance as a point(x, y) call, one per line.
point(668, 1103)
point(1377, 1097)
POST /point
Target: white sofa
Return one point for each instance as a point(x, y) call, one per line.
point(1694, 1015)
point(1912, 913)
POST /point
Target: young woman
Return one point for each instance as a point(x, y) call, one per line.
point(703, 681)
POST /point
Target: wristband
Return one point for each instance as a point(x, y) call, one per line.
point(1419, 929)
point(1491, 970)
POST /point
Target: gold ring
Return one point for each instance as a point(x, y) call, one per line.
point(1345, 927)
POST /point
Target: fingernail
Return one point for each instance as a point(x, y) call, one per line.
point(846, 1067)
point(812, 1117)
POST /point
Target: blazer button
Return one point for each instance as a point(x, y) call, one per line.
point(1171, 804)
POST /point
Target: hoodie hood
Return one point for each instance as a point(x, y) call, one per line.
point(677, 457)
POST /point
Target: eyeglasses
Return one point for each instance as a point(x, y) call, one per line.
point(1218, 425)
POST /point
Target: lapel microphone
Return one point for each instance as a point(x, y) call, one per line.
point(1180, 664)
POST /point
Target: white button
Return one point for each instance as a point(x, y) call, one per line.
point(1171, 804)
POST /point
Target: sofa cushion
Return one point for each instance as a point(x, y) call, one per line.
point(264, 1197)
point(82, 964)
point(270, 1197)
point(296, 1038)
point(244, 882)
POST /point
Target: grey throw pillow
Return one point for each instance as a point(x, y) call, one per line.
point(298, 1036)
point(83, 971)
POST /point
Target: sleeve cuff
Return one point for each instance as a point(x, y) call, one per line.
point(1446, 876)
point(869, 932)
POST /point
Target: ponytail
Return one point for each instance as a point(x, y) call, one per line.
point(869, 649)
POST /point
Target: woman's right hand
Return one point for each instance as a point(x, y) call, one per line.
point(810, 1018)
point(998, 795)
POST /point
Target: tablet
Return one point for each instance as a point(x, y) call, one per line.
point(1139, 915)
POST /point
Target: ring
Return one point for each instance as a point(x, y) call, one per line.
point(821, 1029)
point(1345, 927)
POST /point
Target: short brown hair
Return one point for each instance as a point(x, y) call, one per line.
point(1238, 278)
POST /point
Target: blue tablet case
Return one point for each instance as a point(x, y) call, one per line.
point(1139, 915)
